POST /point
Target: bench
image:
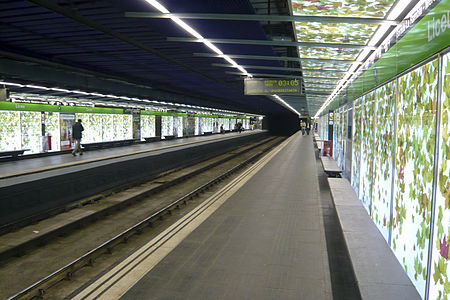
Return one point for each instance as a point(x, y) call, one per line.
point(108, 144)
point(207, 133)
point(152, 139)
point(330, 166)
point(169, 137)
point(13, 153)
point(378, 273)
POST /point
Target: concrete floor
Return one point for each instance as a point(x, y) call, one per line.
point(267, 241)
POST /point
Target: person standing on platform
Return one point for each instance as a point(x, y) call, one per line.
point(303, 127)
point(77, 134)
point(307, 130)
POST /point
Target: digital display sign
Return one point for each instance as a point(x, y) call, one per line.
point(271, 86)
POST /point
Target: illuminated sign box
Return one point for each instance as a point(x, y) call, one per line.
point(271, 86)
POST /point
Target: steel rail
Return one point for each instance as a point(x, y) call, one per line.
point(40, 287)
point(20, 249)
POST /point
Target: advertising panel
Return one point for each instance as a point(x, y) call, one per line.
point(127, 127)
point(179, 120)
point(147, 126)
point(336, 129)
point(383, 157)
point(366, 176)
point(51, 120)
point(31, 130)
point(440, 273)
point(429, 36)
point(356, 142)
point(414, 167)
point(107, 124)
point(166, 125)
point(66, 122)
point(10, 131)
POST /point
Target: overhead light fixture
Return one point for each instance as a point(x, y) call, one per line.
point(398, 8)
point(11, 84)
point(36, 87)
point(102, 96)
point(197, 35)
point(286, 104)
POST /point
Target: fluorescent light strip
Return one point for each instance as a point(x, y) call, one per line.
point(11, 83)
point(197, 35)
point(115, 97)
point(36, 87)
point(398, 9)
point(286, 104)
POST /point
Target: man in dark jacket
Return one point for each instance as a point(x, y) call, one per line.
point(77, 130)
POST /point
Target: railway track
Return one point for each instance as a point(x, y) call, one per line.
point(111, 222)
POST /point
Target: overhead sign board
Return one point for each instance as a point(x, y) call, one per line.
point(271, 86)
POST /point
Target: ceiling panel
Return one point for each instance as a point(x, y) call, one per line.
point(337, 22)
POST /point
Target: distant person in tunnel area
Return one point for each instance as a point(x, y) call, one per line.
point(307, 130)
point(77, 134)
point(303, 127)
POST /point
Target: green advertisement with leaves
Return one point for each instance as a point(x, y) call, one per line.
point(356, 142)
point(383, 156)
point(148, 126)
point(10, 131)
point(414, 166)
point(440, 279)
point(366, 176)
point(336, 129)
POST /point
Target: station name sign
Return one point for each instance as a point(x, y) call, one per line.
point(271, 86)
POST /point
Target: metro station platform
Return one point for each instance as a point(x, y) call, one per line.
point(39, 164)
point(32, 186)
point(260, 237)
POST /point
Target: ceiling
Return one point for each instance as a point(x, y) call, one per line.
point(104, 46)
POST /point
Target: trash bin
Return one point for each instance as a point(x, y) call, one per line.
point(327, 149)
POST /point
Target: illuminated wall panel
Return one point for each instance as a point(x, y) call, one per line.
point(88, 133)
point(178, 126)
point(440, 272)
point(53, 130)
point(336, 126)
point(383, 155)
point(344, 129)
point(414, 166)
point(166, 125)
point(127, 127)
point(107, 124)
point(10, 130)
point(356, 142)
point(97, 127)
point(197, 125)
point(118, 127)
point(30, 123)
point(147, 126)
point(366, 176)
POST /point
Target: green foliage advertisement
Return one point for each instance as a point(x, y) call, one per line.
point(414, 166)
point(383, 156)
point(356, 142)
point(429, 36)
point(366, 165)
point(440, 273)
